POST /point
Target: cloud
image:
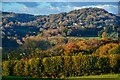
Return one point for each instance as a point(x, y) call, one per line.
point(110, 8)
point(13, 7)
point(45, 8)
point(29, 4)
point(60, 0)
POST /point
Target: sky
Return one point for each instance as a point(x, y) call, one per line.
point(60, 0)
point(45, 8)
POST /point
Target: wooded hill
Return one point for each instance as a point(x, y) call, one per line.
point(86, 22)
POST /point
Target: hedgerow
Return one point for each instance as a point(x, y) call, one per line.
point(63, 66)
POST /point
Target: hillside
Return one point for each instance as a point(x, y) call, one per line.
point(86, 22)
point(69, 45)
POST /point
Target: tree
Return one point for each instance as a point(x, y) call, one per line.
point(104, 35)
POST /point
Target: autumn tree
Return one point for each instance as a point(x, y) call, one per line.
point(104, 35)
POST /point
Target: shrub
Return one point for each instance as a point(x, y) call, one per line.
point(63, 66)
point(114, 63)
point(53, 66)
point(7, 67)
point(34, 68)
point(19, 68)
point(88, 64)
point(76, 66)
point(115, 50)
point(102, 65)
point(84, 65)
point(67, 66)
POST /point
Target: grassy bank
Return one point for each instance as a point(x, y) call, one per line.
point(94, 77)
point(98, 77)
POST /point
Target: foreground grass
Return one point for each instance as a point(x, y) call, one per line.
point(94, 77)
point(98, 77)
point(23, 78)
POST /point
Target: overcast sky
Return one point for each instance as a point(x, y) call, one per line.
point(45, 8)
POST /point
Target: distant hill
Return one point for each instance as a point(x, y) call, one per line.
point(86, 22)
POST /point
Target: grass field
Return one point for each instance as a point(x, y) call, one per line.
point(98, 77)
point(84, 38)
point(23, 78)
point(95, 77)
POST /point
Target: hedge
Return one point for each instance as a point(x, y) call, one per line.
point(53, 66)
point(33, 68)
point(7, 67)
point(63, 66)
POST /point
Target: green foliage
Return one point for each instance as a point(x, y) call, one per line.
point(53, 66)
point(33, 67)
point(88, 65)
point(74, 58)
point(5, 70)
point(102, 65)
point(7, 67)
point(67, 66)
point(115, 63)
point(19, 68)
point(35, 42)
point(59, 66)
point(115, 50)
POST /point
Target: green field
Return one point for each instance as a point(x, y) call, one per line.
point(94, 77)
point(23, 78)
point(98, 77)
point(70, 37)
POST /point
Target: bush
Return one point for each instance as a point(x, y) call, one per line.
point(76, 69)
point(76, 65)
point(7, 67)
point(67, 65)
point(88, 64)
point(103, 65)
point(63, 66)
point(19, 68)
point(53, 66)
point(115, 50)
point(115, 63)
point(34, 68)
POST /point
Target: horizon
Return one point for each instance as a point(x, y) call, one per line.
point(50, 14)
point(46, 8)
